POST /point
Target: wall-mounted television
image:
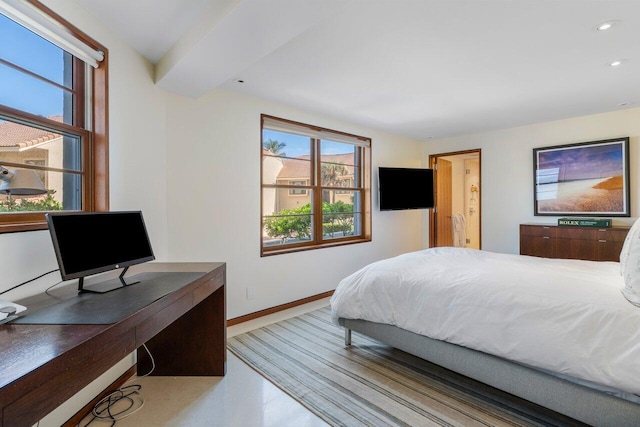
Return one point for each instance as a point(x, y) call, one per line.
point(88, 243)
point(405, 188)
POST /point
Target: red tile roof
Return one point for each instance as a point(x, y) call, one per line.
point(21, 136)
point(300, 166)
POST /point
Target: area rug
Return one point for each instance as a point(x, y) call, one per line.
point(371, 384)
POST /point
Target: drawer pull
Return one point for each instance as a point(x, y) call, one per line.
point(603, 229)
point(545, 237)
point(602, 241)
point(546, 228)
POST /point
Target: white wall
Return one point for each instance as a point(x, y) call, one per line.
point(214, 201)
point(507, 168)
point(137, 169)
point(137, 158)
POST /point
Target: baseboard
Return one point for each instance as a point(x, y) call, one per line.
point(79, 416)
point(282, 307)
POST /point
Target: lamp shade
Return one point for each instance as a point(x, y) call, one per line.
point(24, 182)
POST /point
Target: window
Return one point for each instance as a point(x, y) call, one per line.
point(53, 116)
point(297, 191)
point(346, 182)
point(316, 187)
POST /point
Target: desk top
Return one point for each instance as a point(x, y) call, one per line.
point(26, 348)
point(113, 306)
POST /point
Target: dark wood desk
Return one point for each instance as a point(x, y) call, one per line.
point(43, 365)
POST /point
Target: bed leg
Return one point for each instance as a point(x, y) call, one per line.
point(347, 337)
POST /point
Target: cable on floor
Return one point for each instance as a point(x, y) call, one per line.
point(121, 403)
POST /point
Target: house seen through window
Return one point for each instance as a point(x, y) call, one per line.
point(315, 187)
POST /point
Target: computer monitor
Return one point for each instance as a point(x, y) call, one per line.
point(88, 243)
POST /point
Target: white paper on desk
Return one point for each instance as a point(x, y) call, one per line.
point(18, 308)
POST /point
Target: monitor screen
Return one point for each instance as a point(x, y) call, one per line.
point(405, 188)
point(88, 243)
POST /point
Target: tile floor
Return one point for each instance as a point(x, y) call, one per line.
point(242, 398)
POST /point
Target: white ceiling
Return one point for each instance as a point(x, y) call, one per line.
point(419, 68)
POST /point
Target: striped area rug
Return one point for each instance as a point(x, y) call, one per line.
point(371, 384)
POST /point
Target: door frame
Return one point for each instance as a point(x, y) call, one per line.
point(433, 158)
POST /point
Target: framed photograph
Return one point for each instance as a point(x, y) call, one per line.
point(584, 179)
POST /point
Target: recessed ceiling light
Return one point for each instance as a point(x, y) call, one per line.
point(606, 25)
point(617, 62)
point(238, 81)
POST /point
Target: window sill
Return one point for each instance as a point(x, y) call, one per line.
point(15, 227)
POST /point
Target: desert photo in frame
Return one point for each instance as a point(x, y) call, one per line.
point(583, 179)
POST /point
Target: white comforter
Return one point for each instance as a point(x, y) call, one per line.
point(565, 316)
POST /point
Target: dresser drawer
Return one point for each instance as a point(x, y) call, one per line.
point(582, 233)
point(550, 241)
point(538, 230)
point(617, 234)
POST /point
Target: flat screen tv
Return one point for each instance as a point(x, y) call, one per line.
point(89, 243)
point(405, 188)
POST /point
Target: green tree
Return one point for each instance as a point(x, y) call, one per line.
point(337, 218)
point(296, 223)
point(290, 224)
point(275, 147)
point(26, 205)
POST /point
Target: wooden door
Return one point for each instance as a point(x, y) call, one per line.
point(444, 222)
point(450, 191)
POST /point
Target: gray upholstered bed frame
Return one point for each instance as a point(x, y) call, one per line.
point(576, 401)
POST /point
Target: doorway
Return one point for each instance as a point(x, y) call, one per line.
point(456, 217)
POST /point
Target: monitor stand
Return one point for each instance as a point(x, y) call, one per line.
point(106, 286)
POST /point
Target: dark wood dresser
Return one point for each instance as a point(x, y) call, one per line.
point(589, 243)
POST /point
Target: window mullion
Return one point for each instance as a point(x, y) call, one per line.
point(317, 192)
point(79, 96)
point(35, 75)
point(360, 184)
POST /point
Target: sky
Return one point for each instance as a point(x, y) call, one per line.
point(32, 52)
point(298, 145)
point(584, 162)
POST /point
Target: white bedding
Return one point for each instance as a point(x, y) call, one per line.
point(564, 316)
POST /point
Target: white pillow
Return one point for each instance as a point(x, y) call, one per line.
point(624, 253)
point(630, 264)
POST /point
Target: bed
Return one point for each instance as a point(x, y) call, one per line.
point(560, 333)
